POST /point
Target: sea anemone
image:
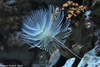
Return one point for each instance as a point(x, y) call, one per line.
point(41, 30)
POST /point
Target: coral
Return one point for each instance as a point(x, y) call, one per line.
point(73, 10)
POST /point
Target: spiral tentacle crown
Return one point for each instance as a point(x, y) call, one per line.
point(41, 30)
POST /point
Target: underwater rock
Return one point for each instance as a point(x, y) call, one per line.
point(35, 65)
point(42, 59)
point(69, 62)
point(1, 48)
point(1, 65)
point(90, 59)
point(10, 2)
point(15, 39)
point(95, 12)
point(77, 48)
point(1, 37)
point(20, 54)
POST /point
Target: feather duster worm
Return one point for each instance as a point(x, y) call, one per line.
point(41, 30)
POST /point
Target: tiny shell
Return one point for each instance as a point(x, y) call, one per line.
point(54, 58)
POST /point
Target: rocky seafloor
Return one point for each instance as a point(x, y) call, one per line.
point(15, 53)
